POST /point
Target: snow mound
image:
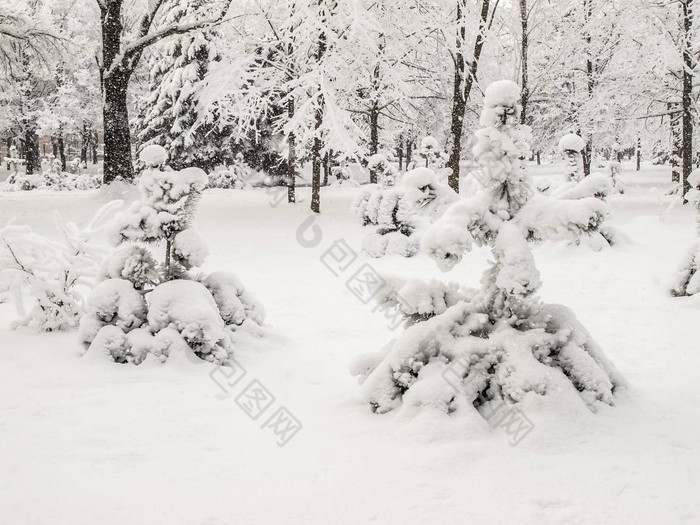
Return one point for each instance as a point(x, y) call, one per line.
point(153, 155)
point(189, 308)
point(114, 302)
point(189, 248)
point(502, 93)
point(572, 142)
point(429, 143)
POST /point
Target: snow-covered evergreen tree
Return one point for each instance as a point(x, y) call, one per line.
point(143, 306)
point(169, 115)
point(509, 347)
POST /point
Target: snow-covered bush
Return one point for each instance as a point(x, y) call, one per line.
point(387, 174)
point(51, 180)
point(430, 155)
point(597, 185)
point(234, 177)
point(687, 278)
point(571, 145)
point(143, 306)
point(51, 272)
point(401, 213)
point(509, 347)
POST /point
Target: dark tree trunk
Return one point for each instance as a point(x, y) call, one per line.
point(317, 144)
point(373, 137)
point(639, 153)
point(327, 166)
point(462, 85)
point(524, 88)
point(117, 140)
point(676, 143)
point(399, 152)
point(84, 143)
point(587, 153)
point(316, 166)
point(93, 146)
point(115, 81)
point(291, 158)
point(538, 155)
point(687, 119)
point(31, 144)
point(61, 151)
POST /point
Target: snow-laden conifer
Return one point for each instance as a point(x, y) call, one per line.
point(471, 349)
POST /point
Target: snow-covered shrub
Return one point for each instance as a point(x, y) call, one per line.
point(234, 177)
point(571, 146)
point(401, 213)
point(510, 347)
point(430, 155)
point(51, 272)
point(51, 180)
point(387, 174)
point(548, 211)
point(687, 278)
point(143, 306)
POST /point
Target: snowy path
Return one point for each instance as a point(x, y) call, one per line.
point(85, 441)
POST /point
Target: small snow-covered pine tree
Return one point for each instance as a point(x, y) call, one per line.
point(509, 347)
point(143, 306)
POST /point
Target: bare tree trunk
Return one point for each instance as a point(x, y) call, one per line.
point(31, 144)
point(524, 88)
point(462, 86)
point(675, 159)
point(399, 152)
point(318, 144)
point(587, 152)
point(291, 157)
point(639, 153)
point(93, 146)
point(117, 138)
point(61, 150)
point(115, 80)
point(687, 145)
point(327, 166)
point(373, 137)
point(85, 143)
point(374, 115)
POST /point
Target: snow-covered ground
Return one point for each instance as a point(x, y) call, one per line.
point(85, 441)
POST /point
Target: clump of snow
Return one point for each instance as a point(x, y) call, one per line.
point(112, 302)
point(572, 142)
point(134, 263)
point(429, 143)
point(189, 308)
point(236, 304)
point(153, 155)
point(189, 249)
point(502, 93)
